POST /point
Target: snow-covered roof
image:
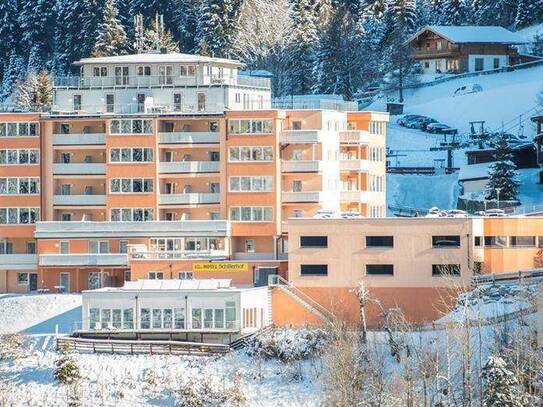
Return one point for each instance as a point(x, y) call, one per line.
point(471, 34)
point(169, 58)
point(474, 171)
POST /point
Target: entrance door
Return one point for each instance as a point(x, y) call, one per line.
point(32, 281)
point(64, 283)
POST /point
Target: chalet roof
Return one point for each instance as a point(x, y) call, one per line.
point(470, 34)
point(169, 58)
point(474, 172)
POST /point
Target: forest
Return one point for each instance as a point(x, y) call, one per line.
point(310, 46)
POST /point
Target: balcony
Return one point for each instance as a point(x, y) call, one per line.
point(311, 196)
point(188, 137)
point(79, 169)
point(87, 259)
point(79, 200)
point(184, 167)
point(156, 81)
point(126, 230)
point(301, 166)
point(18, 261)
point(136, 108)
point(354, 196)
point(301, 136)
point(353, 137)
point(189, 199)
point(82, 139)
point(178, 255)
point(354, 165)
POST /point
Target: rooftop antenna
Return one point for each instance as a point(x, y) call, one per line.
point(138, 33)
point(159, 24)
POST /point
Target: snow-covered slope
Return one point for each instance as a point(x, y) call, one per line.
point(38, 314)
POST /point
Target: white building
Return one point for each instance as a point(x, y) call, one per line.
point(178, 309)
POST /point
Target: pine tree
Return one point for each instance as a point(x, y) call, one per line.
point(301, 55)
point(9, 33)
point(37, 23)
point(14, 72)
point(502, 172)
point(35, 93)
point(186, 21)
point(92, 20)
point(501, 385)
point(454, 12)
point(537, 45)
point(216, 26)
point(67, 371)
point(69, 35)
point(159, 38)
point(111, 38)
point(523, 17)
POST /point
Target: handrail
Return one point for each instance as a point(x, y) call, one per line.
point(508, 277)
point(275, 280)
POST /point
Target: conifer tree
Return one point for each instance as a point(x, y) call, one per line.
point(454, 12)
point(301, 55)
point(92, 20)
point(13, 73)
point(502, 174)
point(9, 33)
point(69, 35)
point(111, 38)
point(35, 93)
point(501, 385)
point(157, 37)
point(186, 21)
point(67, 371)
point(37, 23)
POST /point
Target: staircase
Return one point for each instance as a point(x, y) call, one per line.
point(242, 341)
point(300, 297)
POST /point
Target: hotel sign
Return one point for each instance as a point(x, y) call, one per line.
point(225, 266)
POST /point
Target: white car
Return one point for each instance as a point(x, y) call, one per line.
point(471, 88)
point(456, 213)
point(494, 213)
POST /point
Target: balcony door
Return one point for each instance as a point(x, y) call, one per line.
point(177, 102)
point(165, 74)
point(64, 283)
point(121, 75)
point(32, 281)
point(202, 102)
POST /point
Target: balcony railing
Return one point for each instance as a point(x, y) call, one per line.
point(190, 228)
point(354, 165)
point(353, 137)
point(137, 108)
point(301, 136)
point(301, 166)
point(79, 139)
point(188, 137)
point(178, 255)
point(155, 81)
point(18, 261)
point(312, 196)
point(79, 200)
point(354, 196)
point(189, 167)
point(189, 199)
point(79, 169)
point(102, 259)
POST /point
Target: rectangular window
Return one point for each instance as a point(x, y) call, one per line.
point(496, 63)
point(131, 214)
point(196, 318)
point(522, 241)
point(313, 241)
point(106, 318)
point(495, 241)
point(131, 126)
point(156, 275)
point(446, 241)
point(131, 185)
point(251, 184)
point(379, 241)
point(157, 318)
point(179, 315)
point(314, 269)
point(380, 269)
point(145, 318)
point(117, 318)
point(230, 314)
point(94, 318)
point(250, 154)
point(128, 318)
point(22, 278)
point(246, 126)
point(479, 64)
point(478, 241)
point(251, 214)
point(439, 270)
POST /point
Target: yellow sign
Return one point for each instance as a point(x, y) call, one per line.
point(222, 266)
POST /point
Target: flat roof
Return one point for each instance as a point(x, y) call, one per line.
point(172, 57)
point(170, 285)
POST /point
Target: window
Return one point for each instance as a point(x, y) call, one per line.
point(22, 278)
point(379, 241)
point(251, 214)
point(19, 215)
point(64, 247)
point(201, 97)
point(250, 154)
point(313, 241)
point(128, 318)
point(495, 241)
point(77, 102)
point(250, 246)
point(157, 318)
point(23, 156)
point(314, 269)
point(98, 246)
point(196, 318)
point(123, 246)
point(446, 241)
point(143, 70)
point(522, 241)
point(19, 186)
point(94, 280)
point(131, 126)
point(99, 71)
point(478, 241)
point(31, 247)
point(185, 275)
point(251, 184)
point(131, 214)
point(127, 276)
point(66, 217)
point(19, 129)
point(131, 185)
point(479, 64)
point(145, 318)
point(156, 275)
point(377, 128)
point(179, 318)
point(187, 70)
point(540, 241)
point(439, 270)
point(297, 186)
point(247, 126)
point(94, 318)
point(134, 155)
point(379, 269)
point(230, 314)
point(496, 63)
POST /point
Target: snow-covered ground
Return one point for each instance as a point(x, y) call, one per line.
point(158, 380)
point(507, 102)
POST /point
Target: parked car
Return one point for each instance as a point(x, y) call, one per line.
point(420, 123)
point(464, 90)
point(402, 121)
point(438, 128)
point(456, 213)
point(494, 213)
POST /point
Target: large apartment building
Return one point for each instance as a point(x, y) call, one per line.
point(172, 166)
